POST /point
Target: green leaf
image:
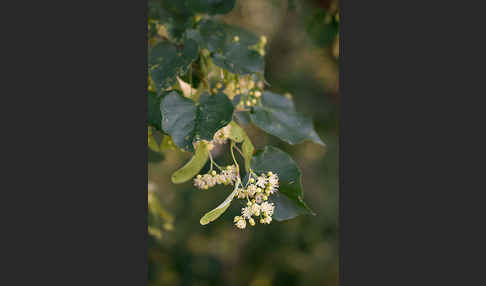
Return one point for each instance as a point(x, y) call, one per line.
point(187, 122)
point(154, 115)
point(194, 165)
point(219, 210)
point(242, 117)
point(211, 6)
point(278, 117)
point(236, 57)
point(167, 61)
point(288, 200)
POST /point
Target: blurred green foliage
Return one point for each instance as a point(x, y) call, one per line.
point(302, 251)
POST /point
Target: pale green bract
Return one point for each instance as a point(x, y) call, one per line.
point(192, 168)
point(219, 210)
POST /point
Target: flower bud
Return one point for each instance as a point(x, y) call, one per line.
point(263, 39)
point(251, 221)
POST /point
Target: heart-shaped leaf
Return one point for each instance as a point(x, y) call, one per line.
point(277, 116)
point(153, 106)
point(235, 56)
point(167, 61)
point(211, 6)
point(288, 200)
point(187, 122)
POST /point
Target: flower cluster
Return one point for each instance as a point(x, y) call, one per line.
point(227, 177)
point(256, 193)
point(250, 91)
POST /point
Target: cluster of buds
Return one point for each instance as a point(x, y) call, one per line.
point(217, 87)
point(251, 92)
point(260, 46)
point(256, 193)
point(227, 177)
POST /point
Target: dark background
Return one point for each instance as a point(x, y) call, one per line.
point(302, 59)
point(74, 198)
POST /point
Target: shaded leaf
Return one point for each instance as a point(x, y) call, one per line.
point(167, 61)
point(153, 106)
point(176, 17)
point(277, 116)
point(187, 122)
point(288, 200)
point(236, 56)
point(242, 117)
point(211, 6)
point(192, 168)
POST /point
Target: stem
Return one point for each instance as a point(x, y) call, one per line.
point(236, 147)
point(214, 163)
point(234, 159)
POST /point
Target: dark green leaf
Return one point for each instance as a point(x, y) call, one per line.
point(211, 6)
point(154, 116)
point(288, 200)
point(187, 122)
point(278, 117)
point(237, 57)
point(167, 61)
point(242, 117)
